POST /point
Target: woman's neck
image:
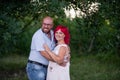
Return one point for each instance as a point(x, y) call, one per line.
point(60, 42)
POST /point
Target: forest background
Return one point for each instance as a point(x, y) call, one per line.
point(94, 27)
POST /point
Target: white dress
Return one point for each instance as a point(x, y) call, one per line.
point(57, 72)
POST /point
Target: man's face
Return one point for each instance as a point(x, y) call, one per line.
point(47, 25)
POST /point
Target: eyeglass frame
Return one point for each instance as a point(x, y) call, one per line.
point(45, 24)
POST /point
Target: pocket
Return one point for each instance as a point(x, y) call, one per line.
point(37, 67)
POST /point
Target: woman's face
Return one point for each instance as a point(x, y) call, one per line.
point(59, 35)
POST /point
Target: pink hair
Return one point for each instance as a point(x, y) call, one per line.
point(64, 29)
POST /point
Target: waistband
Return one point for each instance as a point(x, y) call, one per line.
point(34, 62)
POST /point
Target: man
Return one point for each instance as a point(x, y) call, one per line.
point(38, 58)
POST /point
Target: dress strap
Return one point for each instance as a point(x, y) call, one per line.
point(63, 45)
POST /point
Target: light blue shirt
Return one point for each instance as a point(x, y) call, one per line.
point(38, 39)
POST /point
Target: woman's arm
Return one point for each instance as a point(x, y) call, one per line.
point(57, 58)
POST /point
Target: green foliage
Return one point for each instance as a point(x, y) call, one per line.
point(96, 32)
point(20, 20)
point(9, 33)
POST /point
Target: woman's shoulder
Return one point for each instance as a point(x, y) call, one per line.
point(65, 46)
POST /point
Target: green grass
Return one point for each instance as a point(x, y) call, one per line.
point(89, 68)
point(13, 67)
point(82, 68)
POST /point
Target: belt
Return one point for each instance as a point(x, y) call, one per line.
point(34, 62)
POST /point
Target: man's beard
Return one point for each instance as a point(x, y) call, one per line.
point(46, 31)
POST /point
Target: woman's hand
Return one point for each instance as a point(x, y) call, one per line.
point(67, 59)
point(63, 64)
point(46, 47)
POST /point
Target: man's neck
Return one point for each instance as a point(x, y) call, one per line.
point(49, 35)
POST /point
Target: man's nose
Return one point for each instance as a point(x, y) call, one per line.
point(46, 26)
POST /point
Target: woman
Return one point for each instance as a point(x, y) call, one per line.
point(59, 69)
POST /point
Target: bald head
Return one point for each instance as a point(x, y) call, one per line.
point(48, 18)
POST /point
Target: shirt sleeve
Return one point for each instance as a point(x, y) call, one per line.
point(37, 42)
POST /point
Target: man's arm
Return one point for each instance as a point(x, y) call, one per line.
point(46, 55)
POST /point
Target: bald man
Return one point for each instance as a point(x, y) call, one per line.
point(38, 59)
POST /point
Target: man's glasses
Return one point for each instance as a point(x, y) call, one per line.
point(45, 24)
